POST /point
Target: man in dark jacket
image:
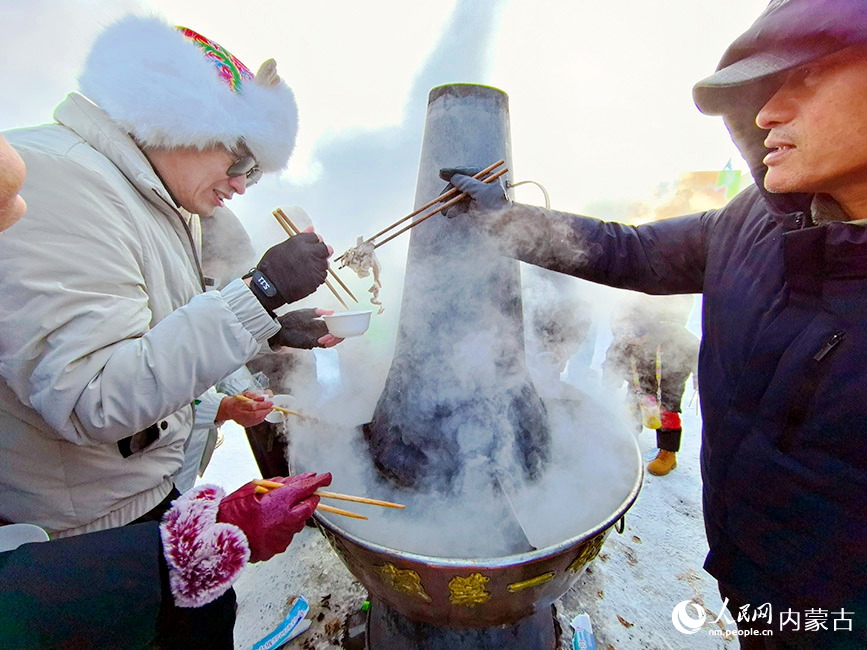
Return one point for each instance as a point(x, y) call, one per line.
point(783, 270)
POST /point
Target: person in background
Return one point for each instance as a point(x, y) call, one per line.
point(654, 353)
point(784, 333)
point(148, 584)
point(107, 336)
point(268, 440)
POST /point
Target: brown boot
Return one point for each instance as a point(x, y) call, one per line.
point(664, 462)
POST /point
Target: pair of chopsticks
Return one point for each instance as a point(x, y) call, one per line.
point(263, 486)
point(292, 230)
point(447, 199)
point(279, 409)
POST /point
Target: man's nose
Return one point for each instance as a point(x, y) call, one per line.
point(238, 183)
point(777, 110)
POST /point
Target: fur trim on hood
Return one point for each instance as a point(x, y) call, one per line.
point(160, 87)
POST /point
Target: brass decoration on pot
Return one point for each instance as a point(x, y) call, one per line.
point(403, 580)
point(532, 582)
point(469, 591)
point(589, 552)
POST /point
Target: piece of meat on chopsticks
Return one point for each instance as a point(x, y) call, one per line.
point(362, 260)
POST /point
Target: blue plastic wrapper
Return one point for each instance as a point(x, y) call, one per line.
point(289, 627)
point(583, 638)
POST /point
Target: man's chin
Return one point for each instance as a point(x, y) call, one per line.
point(206, 210)
point(776, 185)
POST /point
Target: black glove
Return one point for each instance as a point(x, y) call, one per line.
point(485, 196)
point(301, 328)
point(290, 271)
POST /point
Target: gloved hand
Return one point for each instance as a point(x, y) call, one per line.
point(302, 329)
point(271, 520)
point(486, 197)
point(290, 270)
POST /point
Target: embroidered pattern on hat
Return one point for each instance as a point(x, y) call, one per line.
point(229, 68)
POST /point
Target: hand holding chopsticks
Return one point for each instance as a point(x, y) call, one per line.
point(291, 229)
point(446, 199)
point(270, 523)
point(264, 486)
point(279, 409)
point(290, 270)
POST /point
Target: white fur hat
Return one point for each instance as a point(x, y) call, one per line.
point(171, 87)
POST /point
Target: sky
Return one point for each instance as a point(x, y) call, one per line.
point(599, 93)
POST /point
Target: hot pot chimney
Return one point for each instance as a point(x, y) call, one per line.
point(458, 393)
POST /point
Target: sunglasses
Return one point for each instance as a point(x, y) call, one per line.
point(246, 166)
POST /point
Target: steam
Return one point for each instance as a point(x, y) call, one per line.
point(455, 374)
point(593, 462)
point(594, 467)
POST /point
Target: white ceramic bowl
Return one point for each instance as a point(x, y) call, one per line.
point(14, 535)
point(283, 401)
point(348, 323)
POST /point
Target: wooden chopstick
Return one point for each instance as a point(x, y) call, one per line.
point(279, 409)
point(264, 485)
point(261, 489)
point(349, 497)
point(283, 217)
point(460, 197)
point(442, 197)
point(292, 230)
point(339, 511)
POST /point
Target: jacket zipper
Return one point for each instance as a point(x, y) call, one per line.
point(199, 270)
point(798, 411)
point(830, 344)
point(804, 220)
point(189, 238)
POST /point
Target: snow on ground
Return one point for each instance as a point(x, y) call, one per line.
point(629, 591)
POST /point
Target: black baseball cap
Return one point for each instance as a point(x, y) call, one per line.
point(788, 34)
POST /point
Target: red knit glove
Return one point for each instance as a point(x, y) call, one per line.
point(271, 520)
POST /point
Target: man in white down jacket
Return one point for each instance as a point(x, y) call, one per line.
point(106, 334)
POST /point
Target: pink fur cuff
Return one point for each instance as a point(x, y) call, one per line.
point(204, 557)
